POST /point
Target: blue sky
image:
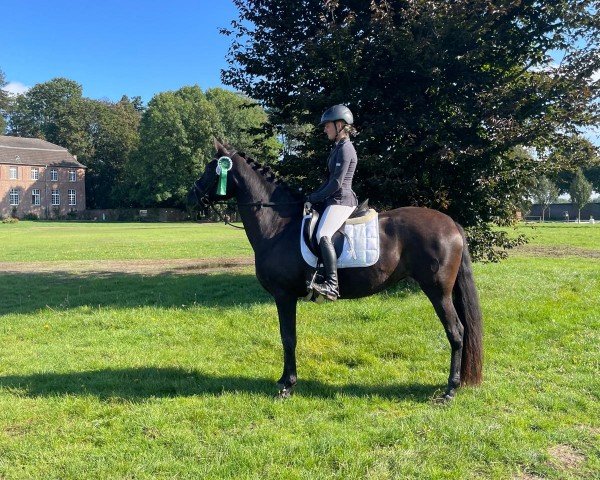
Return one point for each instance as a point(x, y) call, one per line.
point(118, 47)
point(115, 47)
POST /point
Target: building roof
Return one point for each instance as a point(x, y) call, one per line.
point(33, 151)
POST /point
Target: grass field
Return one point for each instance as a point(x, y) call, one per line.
point(111, 372)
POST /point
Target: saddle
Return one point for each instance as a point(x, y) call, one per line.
point(309, 230)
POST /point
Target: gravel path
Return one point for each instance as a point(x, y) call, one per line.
point(145, 267)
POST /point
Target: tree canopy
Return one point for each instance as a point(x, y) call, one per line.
point(442, 92)
point(574, 154)
point(544, 192)
point(3, 102)
point(136, 155)
point(101, 134)
point(580, 191)
point(176, 141)
point(176, 134)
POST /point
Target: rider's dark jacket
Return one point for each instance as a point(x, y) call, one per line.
point(337, 190)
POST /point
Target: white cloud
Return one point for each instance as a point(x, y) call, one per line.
point(15, 88)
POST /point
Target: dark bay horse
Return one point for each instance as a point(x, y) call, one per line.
point(419, 243)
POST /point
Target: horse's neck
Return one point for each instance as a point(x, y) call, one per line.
point(264, 225)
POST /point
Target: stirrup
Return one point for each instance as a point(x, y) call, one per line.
point(329, 292)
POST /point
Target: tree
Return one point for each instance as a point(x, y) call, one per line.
point(442, 93)
point(3, 102)
point(101, 134)
point(577, 152)
point(56, 112)
point(544, 193)
point(244, 124)
point(176, 140)
point(114, 136)
point(580, 192)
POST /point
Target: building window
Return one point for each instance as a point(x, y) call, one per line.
point(72, 197)
point(13, 173)
point(54, 175)
point(55, 197)
point(35, 196)
point(35, 173)
point(13, 196)
point(72, 176)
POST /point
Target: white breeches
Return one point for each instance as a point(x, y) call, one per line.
point(333, 218)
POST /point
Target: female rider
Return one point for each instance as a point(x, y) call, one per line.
point(336, 193)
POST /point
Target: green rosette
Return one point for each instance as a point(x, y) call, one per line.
point(224, 164)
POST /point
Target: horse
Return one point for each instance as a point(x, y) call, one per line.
point(419, 243)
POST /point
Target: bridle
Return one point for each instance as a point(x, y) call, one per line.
point(207, 203)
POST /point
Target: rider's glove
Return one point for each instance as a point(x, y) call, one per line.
point(307, 207)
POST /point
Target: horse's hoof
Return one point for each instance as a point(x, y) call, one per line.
point(284, 392)
point(447, 397)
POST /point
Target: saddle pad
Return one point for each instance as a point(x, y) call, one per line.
point(361, 243)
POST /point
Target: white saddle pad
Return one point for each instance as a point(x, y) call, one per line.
point(361, 242)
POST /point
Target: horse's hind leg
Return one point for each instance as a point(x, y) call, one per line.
point(444, 307)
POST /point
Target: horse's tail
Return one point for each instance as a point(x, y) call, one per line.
point(466, 302)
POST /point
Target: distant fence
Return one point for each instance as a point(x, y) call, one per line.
point(557, 211)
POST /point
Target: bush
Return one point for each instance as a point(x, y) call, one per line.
point(10, 220)
point(30, 216)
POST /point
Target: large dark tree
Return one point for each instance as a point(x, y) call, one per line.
point(442, 92)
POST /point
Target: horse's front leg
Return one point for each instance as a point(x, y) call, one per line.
point(286, 309)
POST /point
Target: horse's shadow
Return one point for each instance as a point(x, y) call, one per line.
point(139, 384)
point(30, 292)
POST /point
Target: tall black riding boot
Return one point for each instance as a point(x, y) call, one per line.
point(329, 288)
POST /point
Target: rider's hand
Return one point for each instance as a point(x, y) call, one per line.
point(307, 207)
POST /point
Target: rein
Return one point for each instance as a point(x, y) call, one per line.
point(211, 205)
point(207, 203)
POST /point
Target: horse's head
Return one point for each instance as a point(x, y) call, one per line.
point(215, 182)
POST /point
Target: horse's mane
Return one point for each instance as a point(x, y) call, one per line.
point(268, 174)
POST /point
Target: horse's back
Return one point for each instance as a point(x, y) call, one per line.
point(424, 240)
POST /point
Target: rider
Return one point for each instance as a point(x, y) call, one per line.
point(336, 193)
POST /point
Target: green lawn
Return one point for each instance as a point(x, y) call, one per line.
point(123, 375)
point(50, 241)
point(581, 235)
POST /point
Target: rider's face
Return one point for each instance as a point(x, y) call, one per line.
point(329, 129)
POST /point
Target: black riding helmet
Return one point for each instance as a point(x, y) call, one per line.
point(337, 112)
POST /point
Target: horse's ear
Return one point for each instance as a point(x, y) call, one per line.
point(219, 148)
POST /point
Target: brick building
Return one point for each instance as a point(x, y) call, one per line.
point(39, 177)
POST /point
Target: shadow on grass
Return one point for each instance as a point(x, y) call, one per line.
point(29, 292)
point(139, 384)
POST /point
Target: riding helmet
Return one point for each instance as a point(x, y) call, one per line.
point(337, 112)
